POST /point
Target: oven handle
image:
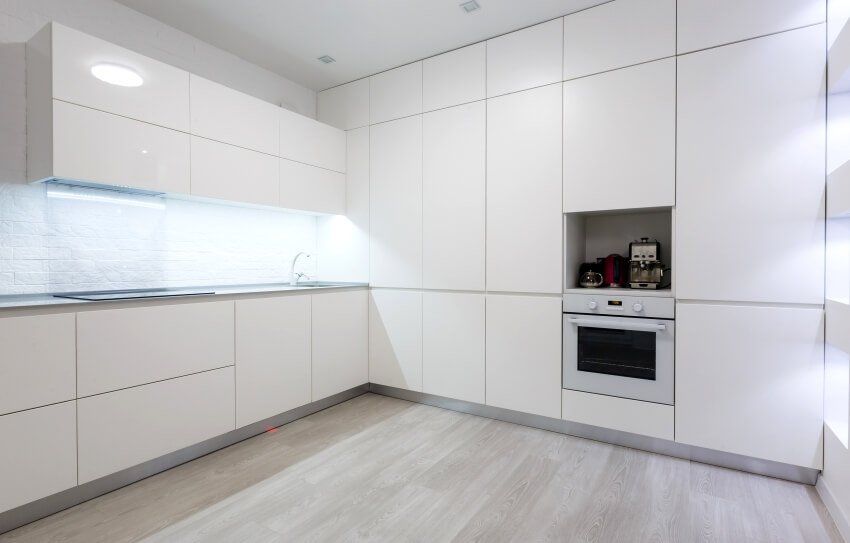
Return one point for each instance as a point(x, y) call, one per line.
point(636, 326)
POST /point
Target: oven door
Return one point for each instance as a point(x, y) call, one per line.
point(625, 357)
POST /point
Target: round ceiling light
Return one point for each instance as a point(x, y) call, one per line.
point(115, 74)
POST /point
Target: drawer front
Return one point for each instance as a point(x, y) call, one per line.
point(633, 416)
point(120, 348)
point(125, 428)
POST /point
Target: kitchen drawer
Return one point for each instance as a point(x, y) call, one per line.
point(308, 188)
point(119, 348)
point(633, 416)
point(228, 172)
point(38, 365)
point(121, 429)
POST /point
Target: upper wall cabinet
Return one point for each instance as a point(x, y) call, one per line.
point(525, 59)
point(454, 78)
point(306, 140)
point(64, 64)
point(308, 188)
point(228, 172)
point(620, 138)
point(750, 170)
point(396, 93)
point(223, 114)
point(347, 106)
point(618, 34)
point(704, 24)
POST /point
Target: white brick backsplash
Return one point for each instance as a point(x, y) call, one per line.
point(27, 253)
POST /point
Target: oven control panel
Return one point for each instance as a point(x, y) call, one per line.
point(618, 305)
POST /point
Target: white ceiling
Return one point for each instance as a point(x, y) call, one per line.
point(364, 36)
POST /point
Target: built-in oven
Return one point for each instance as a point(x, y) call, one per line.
point(619, 345)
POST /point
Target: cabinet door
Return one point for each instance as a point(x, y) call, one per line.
point(306, 140)
point(38, 453)
point(223, 114)
point(104, 148)
point(707, 24)
point(453, 197)
point(748, 378)
point(340, 342)
point(162, 99)
point(119, 348)
point(454, 78)
point(618, 34)
point(39, 364)
point(395, 252)
point(620, 139)
point(228, 172)
point(525, 59)
point(272, 356)
point(345, 107)
point(121, 429)
point(395, 93)
point(750, 170)
point(453, 346)
point(524, 354)
point(309, 188)
point(524, 218)
point(395, 338)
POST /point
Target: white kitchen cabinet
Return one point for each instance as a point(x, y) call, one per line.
point(527, 58)
point(620, 139)
point(122, 429)
point(618, 34)
point(346, 106)
point(395, 93)
point(85, 144)
point(749, 380)
point(750, 170)
point(224, 171)
point(309, 188)
point(59, 64)
point(306, 140)
point(524, 354)
point(119, 348)
point(453, 346)
point(395, 338)
point(38, 366)
point(38, 453)
point(395, 253)
point(622, 414)
point(272, 356)
point(704, 24)
point(223, 114)
point(453, 197)
point(455, 78)
point(340, 342)
point(524, 216)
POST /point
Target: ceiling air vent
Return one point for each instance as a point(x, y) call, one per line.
point(327, 59)
point(470, 6)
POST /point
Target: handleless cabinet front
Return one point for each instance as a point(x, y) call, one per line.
point(227, 172)
point(306, 140)
point(395, 338)
point(340, 342)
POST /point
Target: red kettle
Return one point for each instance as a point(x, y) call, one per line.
point(615, 270)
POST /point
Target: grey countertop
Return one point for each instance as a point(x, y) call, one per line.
point(36, 300)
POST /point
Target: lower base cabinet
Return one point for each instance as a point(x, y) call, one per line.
point(121, 429)
point(524, 354)
point(395, 338)
point(340, 342)
point(749, 380)
point(38, 453)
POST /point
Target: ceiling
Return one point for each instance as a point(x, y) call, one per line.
point(364, 36)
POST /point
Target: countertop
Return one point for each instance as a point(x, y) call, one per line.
point(36, 300)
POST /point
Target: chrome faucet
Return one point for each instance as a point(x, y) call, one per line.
point(293, 275)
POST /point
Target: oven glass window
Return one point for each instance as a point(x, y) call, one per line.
point(625, 353)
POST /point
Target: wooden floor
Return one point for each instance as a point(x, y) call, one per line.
point(380, 469)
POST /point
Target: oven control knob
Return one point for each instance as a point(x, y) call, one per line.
point(638, 307)
point(591, 304)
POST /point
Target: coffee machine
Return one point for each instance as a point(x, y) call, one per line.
point(645, 267)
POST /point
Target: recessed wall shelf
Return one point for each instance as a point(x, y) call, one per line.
point(838, 324)
point(838, 192)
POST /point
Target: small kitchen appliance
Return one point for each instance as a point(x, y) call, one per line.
point(645, 267)
point(616, 271)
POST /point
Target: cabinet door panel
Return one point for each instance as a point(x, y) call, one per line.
point(620, 139)
point(306, 140)
point(227, 172)
point(454, 78)
point(340, 342)
point(308, 188)
point(395, 93)
point(750, 170)
point(272, 356)
point(525, 59)
point(347, 106)
point(395, 338)
point(749, 380)
point(524, 218)
point(453, 197)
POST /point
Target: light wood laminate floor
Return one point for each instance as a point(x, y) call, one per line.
point(381, 469)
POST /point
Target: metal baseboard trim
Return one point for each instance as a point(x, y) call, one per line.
point(738, 462)
point(835, 511)
point(25, 514)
